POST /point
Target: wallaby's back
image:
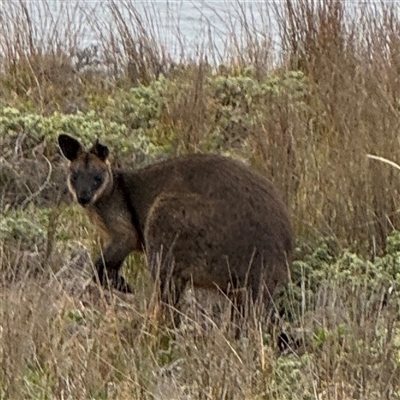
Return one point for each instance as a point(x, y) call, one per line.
point(216, 220)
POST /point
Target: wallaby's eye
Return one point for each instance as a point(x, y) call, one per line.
point(98, 179)
point(73, 177)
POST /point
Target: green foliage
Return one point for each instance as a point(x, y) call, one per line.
point(287, 373)
point(342, 287)
point(393, 243)
point(37, 383)
point(325, 264)
point(244, 91)
point(27, 229)
point(137, 123)
point(241, 104)
point(323, 336)
point(86, 126)
point(140, 110)
point(138, 107)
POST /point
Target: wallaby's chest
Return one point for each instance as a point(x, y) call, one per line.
point(115, 225)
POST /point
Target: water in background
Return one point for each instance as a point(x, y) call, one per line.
point(184, 28)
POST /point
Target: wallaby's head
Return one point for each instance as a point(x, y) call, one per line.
point(90, 175)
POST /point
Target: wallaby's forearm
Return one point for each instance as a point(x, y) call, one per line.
point(108, 265)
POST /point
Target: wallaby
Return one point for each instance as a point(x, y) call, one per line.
point(201, 219)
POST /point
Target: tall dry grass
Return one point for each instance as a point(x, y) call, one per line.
point(351, 66)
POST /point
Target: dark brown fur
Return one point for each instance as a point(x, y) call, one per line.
point(203, 219)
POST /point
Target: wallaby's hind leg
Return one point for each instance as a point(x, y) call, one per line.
point(108, 266)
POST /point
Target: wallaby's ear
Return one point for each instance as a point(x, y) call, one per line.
point(100, 150)
point(69, 146)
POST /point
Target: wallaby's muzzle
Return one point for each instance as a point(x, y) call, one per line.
point(84, 199)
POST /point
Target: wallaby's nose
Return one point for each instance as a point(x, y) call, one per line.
point(84, 199)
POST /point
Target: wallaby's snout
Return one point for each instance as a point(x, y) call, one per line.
point(84, 198)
